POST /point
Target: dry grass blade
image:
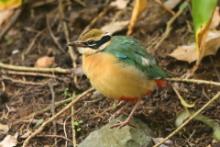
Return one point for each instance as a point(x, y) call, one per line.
point(139, 7)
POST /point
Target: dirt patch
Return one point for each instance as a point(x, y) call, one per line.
point(32, 37)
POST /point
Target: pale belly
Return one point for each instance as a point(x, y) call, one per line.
point(115, 79)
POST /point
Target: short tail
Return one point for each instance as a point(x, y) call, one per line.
point(161, 83)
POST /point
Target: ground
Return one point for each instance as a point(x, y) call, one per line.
point(31, 37)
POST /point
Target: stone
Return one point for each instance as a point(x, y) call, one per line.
point(128, 136)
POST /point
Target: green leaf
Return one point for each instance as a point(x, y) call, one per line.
point(202, 12)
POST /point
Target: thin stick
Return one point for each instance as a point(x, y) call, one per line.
point(182, 100)
point(71, 51)
point(51, 87)
point(67, 107)
point(189, 119)
point(194, 81)
point(18, 73)
point(23, 82)
point(165, 7)
point(32, 43)
point(101, 14)
point(34, 69)
point(169, 25)
point(73, 127)
point(53, 37)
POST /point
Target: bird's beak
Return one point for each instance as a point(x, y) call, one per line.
point(76, 44)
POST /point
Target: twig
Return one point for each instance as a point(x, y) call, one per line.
point(41, 3)
point(54, 38)
point(67, 107)
point(169, 25)
point(10, 23)
point(28, 74)
point(64, 130)
point(23, 82)
point(3, 86)
point(51, 87)
point(189, 119)
point(182, 100)
point(73, 127)
point(80, 2)
point(165, 7)
point(67, 36)
point(94, 20)
point(194, 81)
point(34, 69)
point(30, 46)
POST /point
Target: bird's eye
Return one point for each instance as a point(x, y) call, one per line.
point(91, 42)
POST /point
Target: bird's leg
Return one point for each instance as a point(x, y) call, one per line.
point(126, 122)
point(121, 104)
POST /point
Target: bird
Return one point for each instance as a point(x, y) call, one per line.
point(119, 67)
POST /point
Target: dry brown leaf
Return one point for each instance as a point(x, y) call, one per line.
point(115, 26)
point(139, 7)
point(7, 10)
point(120, 4)
point(188, 53)
point(171, 3)
point(215, 19)
point(4, 129)
point(44, 62)
point(4, 16)
point(9, 141)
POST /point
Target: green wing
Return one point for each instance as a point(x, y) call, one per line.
point(131, 52)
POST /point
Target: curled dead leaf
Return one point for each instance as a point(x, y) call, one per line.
point(188, 53)
point(44, 62)
point(9, 141)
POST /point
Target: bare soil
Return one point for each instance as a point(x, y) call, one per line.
point(30, 38)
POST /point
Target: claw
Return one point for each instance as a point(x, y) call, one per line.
point(123, 124)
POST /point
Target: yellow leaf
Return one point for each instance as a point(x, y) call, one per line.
point(9, 4)
point(139, 7)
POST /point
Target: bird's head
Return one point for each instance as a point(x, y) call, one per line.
point(92, 41)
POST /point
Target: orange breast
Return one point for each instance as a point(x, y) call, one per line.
point(115, 79)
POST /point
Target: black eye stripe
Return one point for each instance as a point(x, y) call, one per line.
point(96, 44)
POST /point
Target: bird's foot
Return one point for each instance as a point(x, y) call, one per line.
point(122, 124)
point(127, 121)
point(117, 113)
